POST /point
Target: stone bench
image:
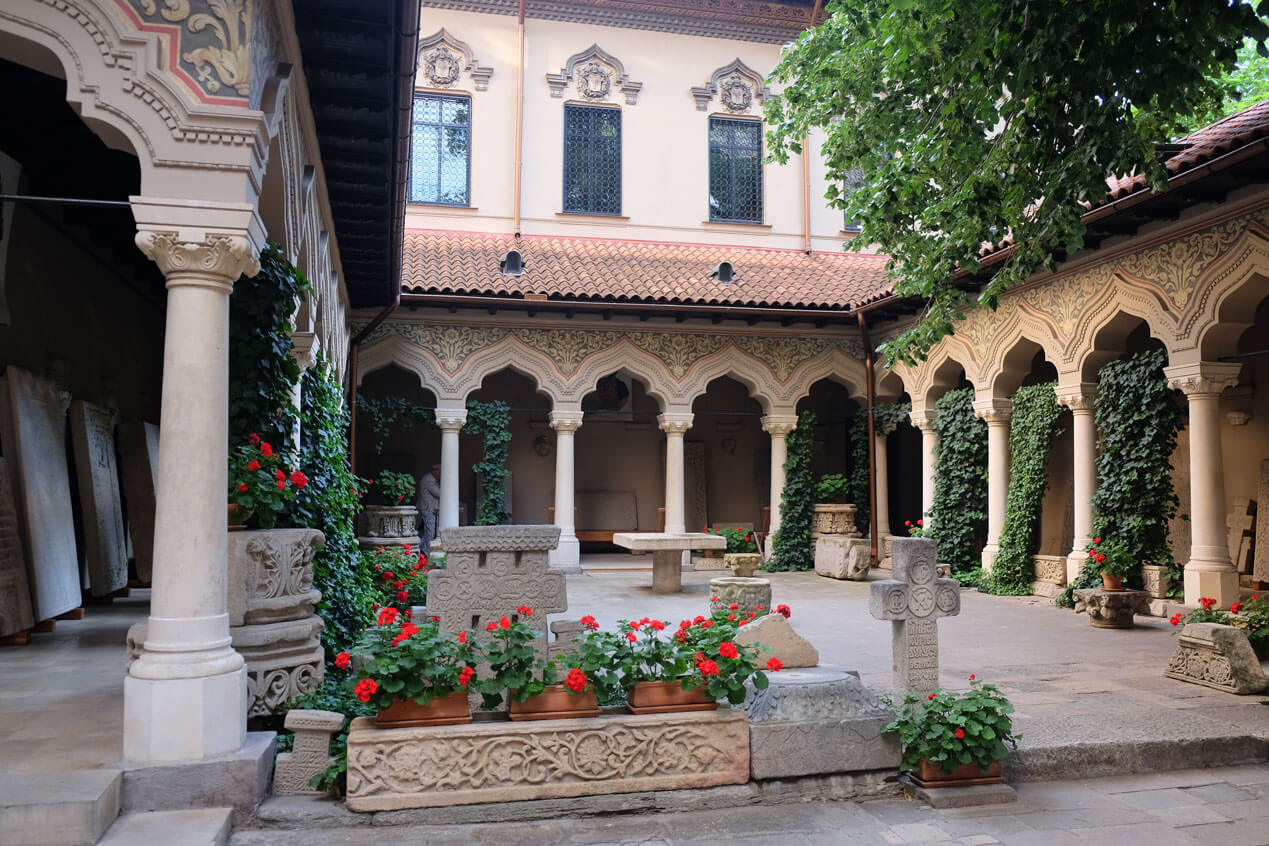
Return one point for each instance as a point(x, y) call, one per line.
point(667, 553)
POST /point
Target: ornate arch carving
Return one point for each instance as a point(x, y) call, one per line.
point(596, 73)
point(741, 88)
point(733, 362)
point(836, 364)
point(626, 355)
point(1020, 324)
point(1235, 279)
point(951, 350)
point(443, 58)
point(1125, 295)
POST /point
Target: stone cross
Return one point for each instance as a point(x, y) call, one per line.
point(913, 601)
point(311, 753)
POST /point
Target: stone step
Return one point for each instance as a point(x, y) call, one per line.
point(58, 809)
point(194, 827)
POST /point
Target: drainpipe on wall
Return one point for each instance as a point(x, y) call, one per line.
point(806, 166)
point(519, 140)
point(870, 393)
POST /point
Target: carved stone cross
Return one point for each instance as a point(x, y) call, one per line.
point(913, 601)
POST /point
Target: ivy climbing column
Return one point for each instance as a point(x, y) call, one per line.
point(567, 556)
point(1080, 400)
point(1209, 572)
point(997, 413)
point(675, 427)
point(778, 426)
point(450, 421)
point(924, 422)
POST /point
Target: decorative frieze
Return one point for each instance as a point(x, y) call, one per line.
point(1219, 656)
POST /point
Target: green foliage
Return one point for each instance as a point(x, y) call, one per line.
point(400, 575)
point(331, 696)
point(515, 668)
point(1031, 433)
point(886, 415)
point(262, 372)
point(1111, 558)
point(592, 653)
point(330, 502)
point(493, 421)
point(394, 489)
point(928, 726)
point(791, 546)
point(959, 514)
point(406, 660)
point(832, 487)
point(738, 539)
point(259, 484)
point(387, 412)
point(972, 120)
point(1246, 85)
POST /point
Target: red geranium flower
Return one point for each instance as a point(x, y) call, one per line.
point(708, 668)
point(266, 450)
point(685, 624)
point(255, 439)
point(656, 624)
point(775, 664)
point(299, 479)
point(588, 622)
point(733, 607)
point(403, 596)
point(398, 584)
point(242, 487)
point(699, 618)
point(631, 636)
point(931, 696)
point(462, 637)
point(365, 689)
point(705, 624)
point(387, 616)
point(713, 599)
point(465, 676)
point(1235, 608)
point(920, 522)
point(960, 733)
point(341, 660)
point(1101, 558)
point(575, 680)
point(785, 610)
point(281, 483)
point(972, 676)
point(1097, 540)
point(525, 610)
point(1175, 619)
point(253, 465)
point(504, 623)
point(492, 627)
point(727, 649)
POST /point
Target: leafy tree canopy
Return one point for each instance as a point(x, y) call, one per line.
point(957, 122)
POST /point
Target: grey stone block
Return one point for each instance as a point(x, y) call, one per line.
point(969, 796)
point(817, 720)
point(57, 809)
point(239, 781)
point(1218, 656)
point(195, 827)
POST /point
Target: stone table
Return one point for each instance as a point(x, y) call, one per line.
point(1112, 609)
point(667, 553)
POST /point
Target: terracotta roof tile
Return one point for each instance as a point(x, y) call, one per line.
point(444, 262)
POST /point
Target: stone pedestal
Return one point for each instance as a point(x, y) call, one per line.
point(426, 767)
point(743, 564)
point(843, 557)
point(272, 621)
point(774, 633)
point(1112, 609)
point(388, 525)
point(310, 754)
point(817, 720)
point(748, 594)
point(1219, 656)
point(1156, 580)
point(830, 519)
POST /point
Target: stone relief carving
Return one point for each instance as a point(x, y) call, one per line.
point(596, 73)
point(443, 58)
point(736, 94)
point(738, 84)
point(441, 67)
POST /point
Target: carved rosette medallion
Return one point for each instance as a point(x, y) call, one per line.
point(442, 67)
point(594, 81)
point(736, 94)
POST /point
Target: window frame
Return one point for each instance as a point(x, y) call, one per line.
point(761, 169)
point(441, 125)
point(564, 150)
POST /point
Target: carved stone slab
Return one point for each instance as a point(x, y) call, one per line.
point(310, 754)
point(843, 557)
point(1111, 609)
point(284, 660)
point(33, 438)
point(105, 549)
point(1219, 656)
point(271, 575)
point(490, 571)
point(1260, 567)
point(391, 769)
point(15, 591)
point(774, 632)
point(913, 601)
point(817, 720)
point(1241, 523)
point(139, 469)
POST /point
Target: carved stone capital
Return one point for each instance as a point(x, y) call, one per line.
point(1203, 378)
point(996, 412)
point(304, 348)
point(450, 420)
point(566, 421)
point(674, 424)
point(215, 262)
point(779, 425)
point(923, 419)
point(1080, 399)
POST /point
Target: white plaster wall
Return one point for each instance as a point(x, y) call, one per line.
point(664, 143)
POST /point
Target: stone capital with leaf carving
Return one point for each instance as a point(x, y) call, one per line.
point(450, 420)
point(779, 425)
point(1203, 378)
point(566, 421)
point(675, 424)
point(1080, 399)
point(995, 411)
point(199, 244)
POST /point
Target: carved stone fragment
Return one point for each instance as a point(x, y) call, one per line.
point(310, 754)
point(843, 557)
point(747, 594)
point(1111, 609)
point(774, 632)
point(913, 601)
point(1219, 656)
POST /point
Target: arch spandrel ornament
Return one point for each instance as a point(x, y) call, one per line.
point(1233, 285)
point(443, 59)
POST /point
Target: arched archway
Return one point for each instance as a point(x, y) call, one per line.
point(727, 458)
point(531, 471)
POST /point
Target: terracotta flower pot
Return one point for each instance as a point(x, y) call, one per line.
point(238, 517)
point(557, 702)
point(449, 710)
point(1110, 582)
point(661, 697)
point(932, 775)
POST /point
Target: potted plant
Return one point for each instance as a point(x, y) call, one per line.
point(400, 575)
point(1113, 561)
point(532, 684)
point(393, 520)
point(832, 515)
point(915, 530)
point(741, 555)
point(954, 738)
point(259, 485)
point(415, 674)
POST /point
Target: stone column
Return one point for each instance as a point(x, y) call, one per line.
point(303, 350)
point(883, 488)
point(450, 421)
point(1080, 400)
point(567, 556)
point(1209, 572)
point(778, 426)
point(997, 413)
point(924, 421)
point(674, 426)
point(185, 696)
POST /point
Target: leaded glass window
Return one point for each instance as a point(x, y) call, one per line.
point(592, 160)
point(735, 170)
point(440, 150)
point(854, 178)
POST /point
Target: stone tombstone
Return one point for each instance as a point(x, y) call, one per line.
point(774, 632)
point(913, 601)
point(139, 469)
point(310, 754)
point(843, 557)
point(1219, 656)
point(272, 621)
point(33, 438)
point(105, 550)
point(15, 591)
point(490, 571)
point(1260, 565)
point(747, 594)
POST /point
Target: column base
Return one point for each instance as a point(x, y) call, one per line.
point(1221, 585)
point(990, 551)
point(171, 720)
point(567, 557)
point(1075, 562)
